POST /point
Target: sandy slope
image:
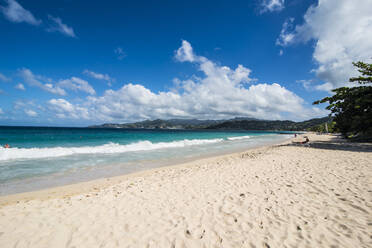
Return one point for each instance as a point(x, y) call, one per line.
point(282, 196)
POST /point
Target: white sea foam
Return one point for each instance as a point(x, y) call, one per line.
point(110, 148)
point(238, 138)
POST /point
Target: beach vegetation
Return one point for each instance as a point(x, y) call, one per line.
point(321, 128)
point(351, 107)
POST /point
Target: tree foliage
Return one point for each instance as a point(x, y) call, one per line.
point(351, 107)
point(322, 129)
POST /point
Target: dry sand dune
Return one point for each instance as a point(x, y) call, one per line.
point(278, 196)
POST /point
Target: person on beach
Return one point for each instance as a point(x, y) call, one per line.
point(306, 140)
point(6, 146)
point(302, 142)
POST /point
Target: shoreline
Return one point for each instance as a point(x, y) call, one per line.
point(93, 171)
point(284, 195)
point(71, 189)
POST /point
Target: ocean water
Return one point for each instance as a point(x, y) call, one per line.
point(42, 157)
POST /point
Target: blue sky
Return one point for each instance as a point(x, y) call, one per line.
point(73, 63)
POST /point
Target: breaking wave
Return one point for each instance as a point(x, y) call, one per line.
point(238, 138)
point(110, 148)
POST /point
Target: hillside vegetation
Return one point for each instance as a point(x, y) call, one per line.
point(233, 124)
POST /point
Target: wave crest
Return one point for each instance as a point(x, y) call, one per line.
point(238, 138)
point(110, 148)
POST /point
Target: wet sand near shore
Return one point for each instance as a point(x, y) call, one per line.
point(314, 195)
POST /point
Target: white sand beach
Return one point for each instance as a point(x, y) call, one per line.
point(318, 195)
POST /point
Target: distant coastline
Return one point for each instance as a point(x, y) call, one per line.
point(251, 124)
point(238, 124)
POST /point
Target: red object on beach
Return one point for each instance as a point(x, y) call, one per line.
point(6, 146)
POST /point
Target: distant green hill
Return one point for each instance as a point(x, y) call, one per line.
point(238, 123)
point(164, 124)
point(270, 125)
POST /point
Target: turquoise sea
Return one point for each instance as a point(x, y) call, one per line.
point(41, 157)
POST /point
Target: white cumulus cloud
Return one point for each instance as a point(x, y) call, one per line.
point(222, 92)
point(307, 84)
point(31, 113)
point(76, 84)
point(59, 88)
point(64, 109)
point(14, 12)
point(99, 76)
point(185, 52)
point(58, 26)
point(286, 36)
point(34, 80)
point(342, 33)
point(20, 87)
point(271, 5)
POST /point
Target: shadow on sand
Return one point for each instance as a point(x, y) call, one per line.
point(336, 143)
